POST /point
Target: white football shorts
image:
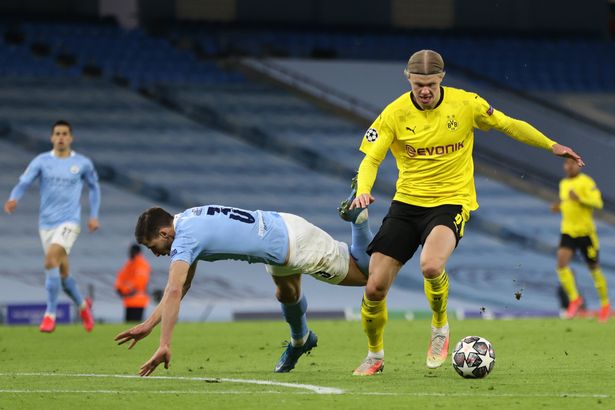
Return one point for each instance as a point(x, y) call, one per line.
point(64, 235)
point(312, 251)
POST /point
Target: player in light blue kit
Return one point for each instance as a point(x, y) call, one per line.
point(288, 245)
point(61, 174)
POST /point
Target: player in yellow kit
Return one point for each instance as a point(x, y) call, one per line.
point(579, 196)
point(430, 132)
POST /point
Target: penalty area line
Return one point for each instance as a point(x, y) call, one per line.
point(309, 387)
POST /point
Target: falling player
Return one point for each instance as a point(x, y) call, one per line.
point(288, 244)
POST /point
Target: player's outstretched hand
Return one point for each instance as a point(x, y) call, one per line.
point(564, 151)
point(162, 355)
point(362, 201)
point(135, 334)
point(10, 205)
point(93, 224)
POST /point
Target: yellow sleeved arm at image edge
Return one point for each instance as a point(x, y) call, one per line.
point(591, 196)
point(593, 200)
point(367, 174)
point(522, 131)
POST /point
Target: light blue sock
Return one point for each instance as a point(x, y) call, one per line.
point(361, 237)
point(52, 285)
point(69, 284)
point(295, 315)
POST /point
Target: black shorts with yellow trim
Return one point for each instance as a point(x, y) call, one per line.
point(585, 244)
point(406, 226)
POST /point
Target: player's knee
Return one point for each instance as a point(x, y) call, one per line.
point(51, 261)
point(376, 291)
point(431, 267)
point(562, 262)
point(287, 294)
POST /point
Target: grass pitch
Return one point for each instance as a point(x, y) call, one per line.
point(540, 364)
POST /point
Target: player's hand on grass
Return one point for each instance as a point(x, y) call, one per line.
point(362, 201)
point(135, 334)
point(564, 151)
point(93, 224)
point(10, 205)
point(162, 355)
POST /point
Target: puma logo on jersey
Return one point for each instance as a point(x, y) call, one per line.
point(411, 129)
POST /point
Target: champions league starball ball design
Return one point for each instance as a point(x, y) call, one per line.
point(473, 357)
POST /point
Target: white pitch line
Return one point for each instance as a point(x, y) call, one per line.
point(240, 392)
point(310, 387)
point(163, 392)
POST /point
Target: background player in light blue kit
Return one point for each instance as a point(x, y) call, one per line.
point(61, 174)
point(288, 245)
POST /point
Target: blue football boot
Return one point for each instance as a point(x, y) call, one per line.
point(289, 358)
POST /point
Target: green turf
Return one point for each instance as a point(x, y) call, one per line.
point(540, 364)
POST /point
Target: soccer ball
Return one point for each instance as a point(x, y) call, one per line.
point(473, 357)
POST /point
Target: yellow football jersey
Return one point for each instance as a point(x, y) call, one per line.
point(577, 218)
point(433, 148)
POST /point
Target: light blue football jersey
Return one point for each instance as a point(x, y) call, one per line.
point(216, 232)
point(61, 182)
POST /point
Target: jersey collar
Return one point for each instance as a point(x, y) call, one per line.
point(418, 107)
point(72, 154)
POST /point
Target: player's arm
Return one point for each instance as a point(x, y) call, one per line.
point(590, 195)
point(527, 134)
point(487, 117)
point(366, 177)
point(178, 275)
point(189, 278)
point(25, 180)
point(375, 145)
point(142, 330)
point(556, 207)
point(156, 315)
point(91, 179)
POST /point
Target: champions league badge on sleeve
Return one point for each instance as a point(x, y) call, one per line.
point(371, 135)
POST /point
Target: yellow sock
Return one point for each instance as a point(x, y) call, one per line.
point(436, 290)
point(601, 287)
point(374, 316)
point(566, 278)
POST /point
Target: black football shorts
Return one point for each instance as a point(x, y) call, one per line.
point(585, 245)
point(405, 227)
